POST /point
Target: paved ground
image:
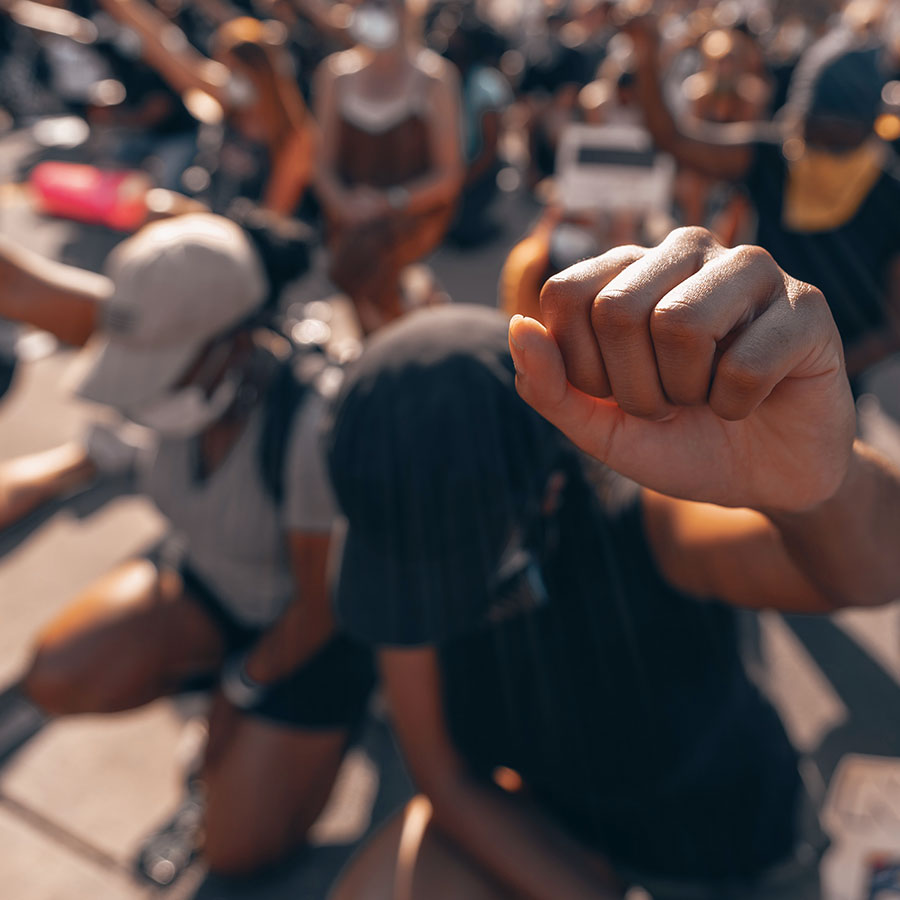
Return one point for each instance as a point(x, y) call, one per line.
point(78, 796)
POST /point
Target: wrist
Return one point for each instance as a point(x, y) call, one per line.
point(398, 198)
point(847, 486)
point(238, 686)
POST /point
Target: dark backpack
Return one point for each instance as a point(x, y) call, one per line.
point(296, 376)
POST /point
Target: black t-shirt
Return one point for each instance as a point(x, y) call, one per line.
point(622, 703)
point(848, 264)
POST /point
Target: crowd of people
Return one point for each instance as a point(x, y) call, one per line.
point(527, 528)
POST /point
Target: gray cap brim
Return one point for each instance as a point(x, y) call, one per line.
point(125, 376)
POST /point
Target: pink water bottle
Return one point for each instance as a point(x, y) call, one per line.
point(87, 194)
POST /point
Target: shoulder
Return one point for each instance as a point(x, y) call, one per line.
point(436, 70)
point(340, 66)
point(490, 86)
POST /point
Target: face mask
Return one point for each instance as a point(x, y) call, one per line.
point(570, 243)
point(375, 27)
point(241, 91)
point(186, 412)
point(825, 190)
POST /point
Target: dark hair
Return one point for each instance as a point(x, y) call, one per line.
point(284, 245)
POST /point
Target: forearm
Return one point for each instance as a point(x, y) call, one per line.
point(165, 47)
point(26, 482)
point(289, 643)
point(432, 191)
point(523, 851)
point(292, 174)
point(61, 299)
point(847, 546)
point(728, 157)
point(307, 623)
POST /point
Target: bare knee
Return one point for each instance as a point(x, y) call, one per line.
point(62, 683)
point(53, 685)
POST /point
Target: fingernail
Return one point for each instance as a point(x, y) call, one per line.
point(512, 322)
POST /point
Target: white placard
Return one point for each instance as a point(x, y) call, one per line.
point(611, 168)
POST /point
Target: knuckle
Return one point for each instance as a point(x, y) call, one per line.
point(559, 296)
point(674, 323)
point(694, 236)
point(616, 311)
point(807, 297)
point(752, 256)
point(741, 377)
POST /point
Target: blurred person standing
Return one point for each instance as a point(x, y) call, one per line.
point(237, 596)
point(390, 166)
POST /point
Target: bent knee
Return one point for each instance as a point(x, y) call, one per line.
point(63, 683)
point(53, 686)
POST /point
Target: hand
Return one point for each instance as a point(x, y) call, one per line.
point(637, 20)
point(700, 372)
point(364, 205)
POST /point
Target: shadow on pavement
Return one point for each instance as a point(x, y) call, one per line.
point(867, 690)
point(20, 721)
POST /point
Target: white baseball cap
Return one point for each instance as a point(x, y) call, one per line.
point(177, 284)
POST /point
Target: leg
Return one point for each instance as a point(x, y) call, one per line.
point(266, 784)
point(27, 482)
point(130, 637)
point(409, 860)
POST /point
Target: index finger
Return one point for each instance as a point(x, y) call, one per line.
point(566, 303)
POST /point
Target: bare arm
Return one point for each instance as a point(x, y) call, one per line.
point(331, 191)
point(165, 47)
point(720, 151)
point(734, 555)
point(524, 852)
point(847, 545)
point(27, 482)
point(307, 623)
point(711, 376)
point(442, 184)
point(61, 299)
point(292, 171)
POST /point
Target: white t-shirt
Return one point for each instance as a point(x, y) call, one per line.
point(233, 533)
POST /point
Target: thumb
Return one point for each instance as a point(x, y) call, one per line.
point(541, 382)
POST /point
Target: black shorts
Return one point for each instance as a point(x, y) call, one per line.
point(329, 691)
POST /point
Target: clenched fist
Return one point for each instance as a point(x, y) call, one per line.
point(701, 372)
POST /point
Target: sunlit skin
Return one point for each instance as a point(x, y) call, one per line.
point(710, 375)
point(694, 370)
